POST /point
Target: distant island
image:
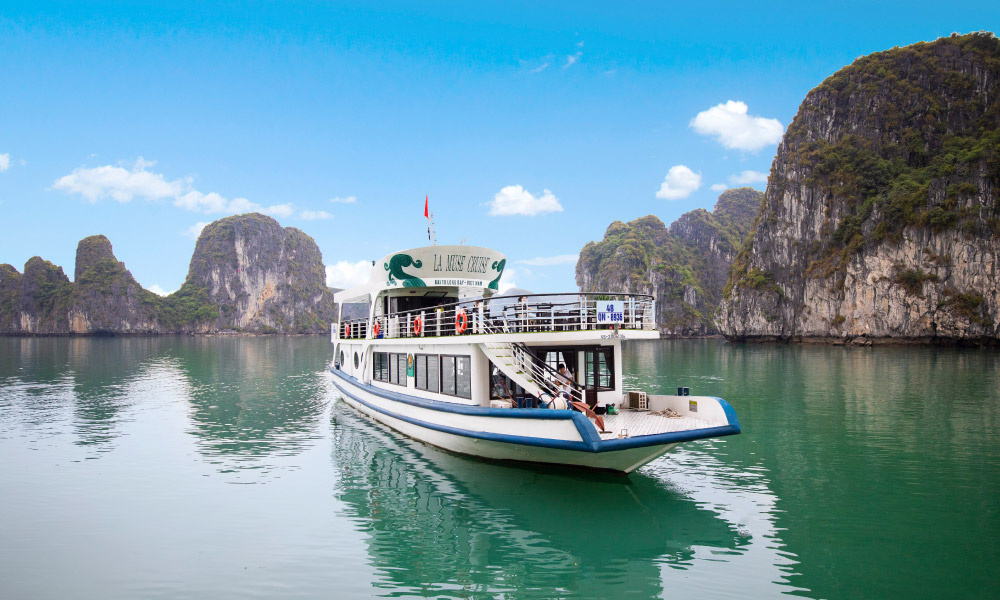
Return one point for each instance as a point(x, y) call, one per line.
point(684, 267)
point(248, 274)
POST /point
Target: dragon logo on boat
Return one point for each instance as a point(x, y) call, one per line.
point(395, 269)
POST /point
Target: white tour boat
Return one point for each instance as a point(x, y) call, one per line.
point(442, 358)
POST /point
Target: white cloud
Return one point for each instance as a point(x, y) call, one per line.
point(279, 210)
point(345, 274)
point(120, 183)
point(195, 230)
point(748, 177)
point(4, 162)
point(196, 201)
point(242, 205)
point(124, 184)
point(540, 68)
point(679, 183)
point(160, 291)
point(507, 280)
point(571, 59)
point(346, 200)
point(547, 261)
point(719, 187)
point(515, 200)
point(732, 127)
point(314, 215)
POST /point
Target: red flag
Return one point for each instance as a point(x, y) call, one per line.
point(427, 212)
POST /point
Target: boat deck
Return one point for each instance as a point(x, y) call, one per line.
point(642, 422)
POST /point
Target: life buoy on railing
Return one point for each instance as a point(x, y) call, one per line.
point(347, 331)
point(378, 328)
point(461, 321)
point(418, 326)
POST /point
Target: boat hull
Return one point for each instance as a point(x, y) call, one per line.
point(541, 436)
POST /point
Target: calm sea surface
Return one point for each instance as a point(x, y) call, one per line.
point(227, 468)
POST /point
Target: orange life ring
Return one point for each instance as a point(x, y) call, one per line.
point(418, 326)
point(347, 331)
point(378, 328)
point(461, 321)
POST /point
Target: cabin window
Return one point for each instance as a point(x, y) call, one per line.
point(456, 376)
point(397, 369)
point(426, 373)
point(380, 366)
point(599, 368)
point(356, 361)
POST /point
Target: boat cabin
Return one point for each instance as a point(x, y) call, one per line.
point(437, 328)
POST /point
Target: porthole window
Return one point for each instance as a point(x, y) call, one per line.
point(356, 361)
point(341, 357)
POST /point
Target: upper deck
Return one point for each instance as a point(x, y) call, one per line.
point(500, 315)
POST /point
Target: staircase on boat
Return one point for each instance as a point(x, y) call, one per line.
point(516, 362)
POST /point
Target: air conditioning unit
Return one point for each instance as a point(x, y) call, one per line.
point(638, 400)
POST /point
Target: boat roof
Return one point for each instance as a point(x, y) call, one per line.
point(472, 267)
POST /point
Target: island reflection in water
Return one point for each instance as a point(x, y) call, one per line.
point(444, 524)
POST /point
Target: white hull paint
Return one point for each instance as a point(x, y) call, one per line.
point(623, 461)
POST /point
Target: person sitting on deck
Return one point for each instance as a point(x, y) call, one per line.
point(564, 378)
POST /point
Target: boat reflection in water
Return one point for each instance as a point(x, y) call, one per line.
point(442, 524)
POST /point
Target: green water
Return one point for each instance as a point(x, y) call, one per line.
point(226, 468)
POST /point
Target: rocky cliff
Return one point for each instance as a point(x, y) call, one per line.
point(247, 274)
point(684, 267)
point(105, 297)
point(880, 221)
point(261, 276)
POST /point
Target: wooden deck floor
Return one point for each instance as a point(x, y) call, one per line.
point(646, 423)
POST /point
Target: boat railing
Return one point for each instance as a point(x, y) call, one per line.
point(505, 314)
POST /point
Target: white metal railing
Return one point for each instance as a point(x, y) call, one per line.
point(506, 314)
point(527, 366)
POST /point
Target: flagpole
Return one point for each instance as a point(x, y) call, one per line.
point(431, 234)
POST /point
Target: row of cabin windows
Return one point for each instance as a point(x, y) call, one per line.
point(451, 375)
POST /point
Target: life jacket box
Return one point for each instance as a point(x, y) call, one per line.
point(638, 400)
point(500, 404)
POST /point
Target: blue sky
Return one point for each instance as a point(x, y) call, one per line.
point(531, 126)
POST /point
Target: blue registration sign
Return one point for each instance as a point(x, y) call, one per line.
point(610, 312)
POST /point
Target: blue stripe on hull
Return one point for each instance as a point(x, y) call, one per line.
point(591, 441)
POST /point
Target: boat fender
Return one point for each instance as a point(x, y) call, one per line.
point(559, 403)
point(418, 326)
point(461, 321)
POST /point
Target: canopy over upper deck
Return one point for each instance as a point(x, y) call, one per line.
point(431, 267)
